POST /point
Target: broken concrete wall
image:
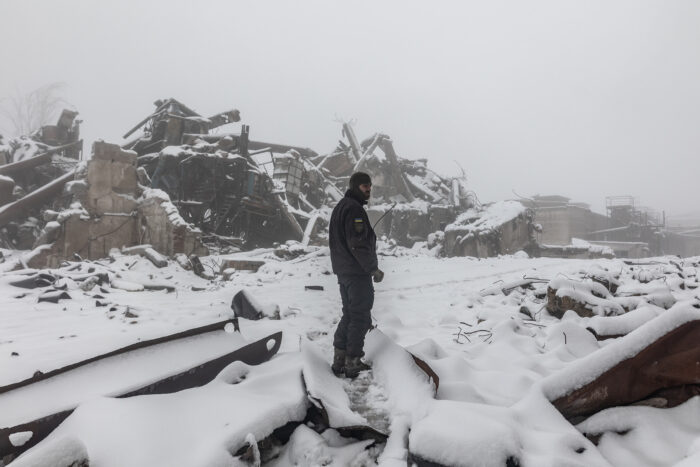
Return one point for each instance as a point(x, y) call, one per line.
point(501, 228)
point(108, 213)
point(161, 226)
point(105, 216)
point(112, 180)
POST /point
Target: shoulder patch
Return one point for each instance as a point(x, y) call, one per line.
point(359, 225)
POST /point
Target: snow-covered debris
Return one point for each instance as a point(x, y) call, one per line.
point(615, 326)
point(646, 435)
point(575, 390)
point(64, 450)
point(655, 293)
point(586, 298)
point(601, 250)
point(488, 219)
point(20, 438)
point(491, 352)
point(326, 391)
point(328, 449)
point(113, 376)
point(459, 433)
point(499, 228)
point(531, 432)
point(245, 305)
point(195, 427)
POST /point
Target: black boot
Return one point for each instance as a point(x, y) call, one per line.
point(338, 361)
point(353, 366)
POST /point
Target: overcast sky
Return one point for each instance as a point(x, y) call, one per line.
point(584, 99)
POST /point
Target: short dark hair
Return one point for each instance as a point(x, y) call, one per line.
point(359, 178)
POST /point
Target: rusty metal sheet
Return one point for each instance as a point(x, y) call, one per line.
point(666, 366)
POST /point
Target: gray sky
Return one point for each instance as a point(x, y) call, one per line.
point(584, 98)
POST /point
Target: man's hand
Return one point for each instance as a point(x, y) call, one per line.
point(378, 275)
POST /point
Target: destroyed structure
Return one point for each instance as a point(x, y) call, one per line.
point(33, 171)
point(181, 185)
point(570, 229)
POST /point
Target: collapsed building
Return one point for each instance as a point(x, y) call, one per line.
point(33, 172)
point(229, 191)
point(216, 189)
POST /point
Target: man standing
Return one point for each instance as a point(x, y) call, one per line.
point(353, 246)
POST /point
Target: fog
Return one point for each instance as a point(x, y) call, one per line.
point(584, 99)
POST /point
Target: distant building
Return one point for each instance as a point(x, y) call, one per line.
point(630, 230)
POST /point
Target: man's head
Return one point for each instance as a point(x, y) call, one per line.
point(361, 183)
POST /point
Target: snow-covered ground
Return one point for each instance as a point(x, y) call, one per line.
point(494, 354)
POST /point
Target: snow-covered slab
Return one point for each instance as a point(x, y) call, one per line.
point(488, 219)
point(203, 426)
point(656, 293)
point(651, 370)
point(462, 434)
point(584, 297)
point(529, 433)
point(646, 435)
point(614, 326)
point(328, 449)
point(115, 375)
point(407, 388)
point(326, 390)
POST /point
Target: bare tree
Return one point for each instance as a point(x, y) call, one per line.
point(28, 112)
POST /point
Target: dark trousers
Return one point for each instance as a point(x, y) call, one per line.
point(357, 294)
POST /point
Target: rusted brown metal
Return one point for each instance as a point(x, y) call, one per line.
point(428, 371)
point(668, 365)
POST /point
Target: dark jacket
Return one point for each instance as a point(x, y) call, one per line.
point(351, 238)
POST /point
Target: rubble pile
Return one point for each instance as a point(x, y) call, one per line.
point(109, 210)
point(504, 227)
point(181, 182)
point(646, 312)
point(33, 171)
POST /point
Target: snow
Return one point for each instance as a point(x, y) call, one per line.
point(163, 199)
point(57, 451)
point(194, 427)
point(488, 218)
point(324, 387)
point(623, 324)
point(114, 375)
point(498, 366)
point(20, 438)
point(651, 436)
point(599, 249)
point(459, 433)
point(308, 448)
